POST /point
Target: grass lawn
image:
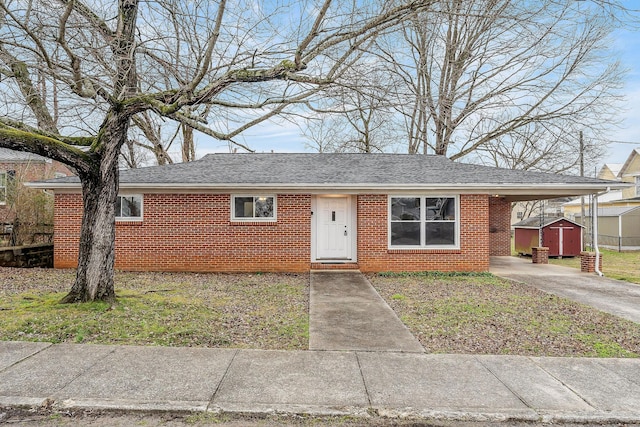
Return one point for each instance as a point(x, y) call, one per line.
point(202, 310)
point(483, 314)
point(476, 314)
point(617, 265)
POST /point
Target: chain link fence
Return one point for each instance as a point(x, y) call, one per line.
point(619, 243)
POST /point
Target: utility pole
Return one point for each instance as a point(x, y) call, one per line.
point(582, 221)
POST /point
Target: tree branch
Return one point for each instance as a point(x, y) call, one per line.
point(20, 140)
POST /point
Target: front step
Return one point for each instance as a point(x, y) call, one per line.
point(334, 266)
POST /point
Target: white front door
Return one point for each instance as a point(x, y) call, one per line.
point(333, 228)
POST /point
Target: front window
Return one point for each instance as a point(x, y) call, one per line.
point(423, 222)
point(254, 207)
point(129, 207)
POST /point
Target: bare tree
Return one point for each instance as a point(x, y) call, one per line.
point(353, 116)
point(191, 63)
point(480, 78)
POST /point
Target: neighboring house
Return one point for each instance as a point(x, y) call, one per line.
point(611, 199)
point(623, 198)
point(618, 228)
point(296, 212)
point(618, 225)
point(630, 172)
point(16, 201)
point(610, 171)
point(562, 236)
point(531, 209)
point(24, 167)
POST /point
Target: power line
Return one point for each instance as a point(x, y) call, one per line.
point(624, 142)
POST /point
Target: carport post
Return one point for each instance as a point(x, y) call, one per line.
point(595, 231)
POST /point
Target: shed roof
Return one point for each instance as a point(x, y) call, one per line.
point(322, 171)
point(534, 222)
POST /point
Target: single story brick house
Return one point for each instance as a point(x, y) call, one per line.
point(302, 211)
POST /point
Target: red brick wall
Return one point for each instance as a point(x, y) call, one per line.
point(67, 217)
point(193, 232)
point(499, 227)
point(374, 254)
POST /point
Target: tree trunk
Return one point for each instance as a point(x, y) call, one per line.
point(188, 147)
point(96, 259)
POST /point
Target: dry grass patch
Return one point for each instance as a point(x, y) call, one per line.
point(268, 311)
point(616, 265)
point(483, 314)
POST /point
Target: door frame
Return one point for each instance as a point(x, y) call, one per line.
point(353, 228)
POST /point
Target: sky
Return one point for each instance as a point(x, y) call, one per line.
point(286, 137)
point(627, 43)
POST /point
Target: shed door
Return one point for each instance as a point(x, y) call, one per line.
point(562, 240)
point(333, 234)
point(571, 241)
point(552, 240)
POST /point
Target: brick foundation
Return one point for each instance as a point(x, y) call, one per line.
point(540, 255)
point(588, 262)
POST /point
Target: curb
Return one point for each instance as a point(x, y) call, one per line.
point(265, 410)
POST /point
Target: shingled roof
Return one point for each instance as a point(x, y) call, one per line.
point(322, 171)
point(12, 156)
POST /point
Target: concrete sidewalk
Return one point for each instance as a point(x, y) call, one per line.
point(609, 295)
point(346, 313)
point(443, 387)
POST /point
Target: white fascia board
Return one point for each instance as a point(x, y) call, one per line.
point(494, 189)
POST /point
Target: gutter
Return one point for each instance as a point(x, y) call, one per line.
point(479, 188)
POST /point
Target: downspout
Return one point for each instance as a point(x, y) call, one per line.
point(594, 217)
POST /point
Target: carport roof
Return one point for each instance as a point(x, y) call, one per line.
point(346, 172)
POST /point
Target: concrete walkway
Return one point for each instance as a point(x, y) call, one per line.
point(436, 387)
point(346, 313)
point(609, 295)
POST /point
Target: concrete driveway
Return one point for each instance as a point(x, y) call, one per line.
point(612, 296)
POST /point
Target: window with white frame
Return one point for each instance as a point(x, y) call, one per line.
point(423, 222)
point(129, 207)
point(253, 208)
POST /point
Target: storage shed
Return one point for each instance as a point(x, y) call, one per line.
point(562, 236)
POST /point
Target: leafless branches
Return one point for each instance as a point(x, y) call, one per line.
point(498, 80)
